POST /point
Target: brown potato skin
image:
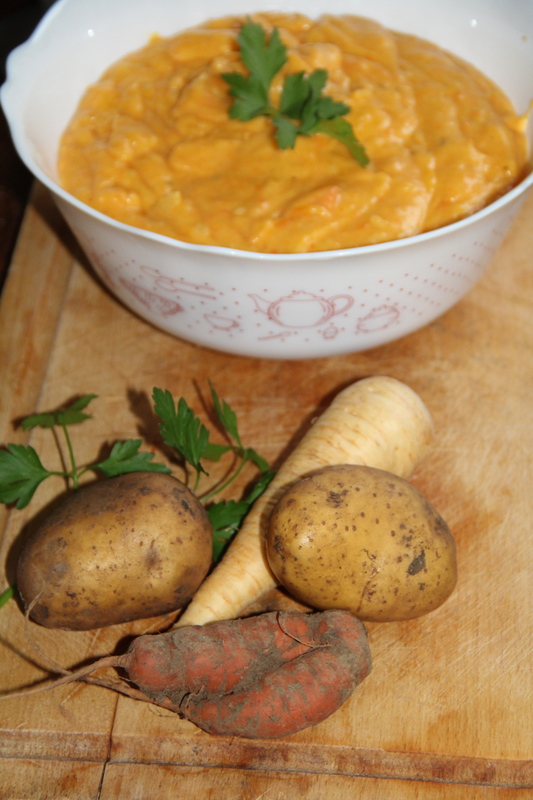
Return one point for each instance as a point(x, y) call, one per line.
point(131, 547)
point(363, 540)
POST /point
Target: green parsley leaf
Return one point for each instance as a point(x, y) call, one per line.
point(47, 420)
point(7, 595)
point(71, 415)
point(125, 457)
point(21, 472)
point(226, 517)
point(249, 102)
point(294, 95)
point(228, 420)
point(214, 452)
point(260, 486)
point(286, 132)
point(341, 129)
point(327, 108)
point(251, 455)
point(226, 416)
point(301, 97)
point(316, 82)
point(263, 60)
point(181, 429)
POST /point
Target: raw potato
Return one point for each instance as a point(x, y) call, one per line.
point(378, 422)
point(364, 540)
point(131, 547)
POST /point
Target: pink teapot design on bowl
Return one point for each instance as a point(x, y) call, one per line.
point(302, 309)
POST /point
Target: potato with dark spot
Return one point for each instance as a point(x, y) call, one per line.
point(363, 540)
point(131, 547)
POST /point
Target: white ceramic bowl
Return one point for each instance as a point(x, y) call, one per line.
point(271, 306)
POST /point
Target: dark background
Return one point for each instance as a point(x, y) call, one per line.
point(18, 18)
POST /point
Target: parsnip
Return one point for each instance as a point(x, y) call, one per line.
point(376, 422)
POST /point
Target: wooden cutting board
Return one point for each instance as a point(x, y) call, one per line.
point(449, 703)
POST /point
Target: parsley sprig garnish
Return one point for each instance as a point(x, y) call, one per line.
point(303, 110)
point(7, 595)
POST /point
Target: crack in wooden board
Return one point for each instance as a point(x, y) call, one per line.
point(324, 759)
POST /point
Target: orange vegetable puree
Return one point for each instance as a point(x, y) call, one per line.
point(152, 143)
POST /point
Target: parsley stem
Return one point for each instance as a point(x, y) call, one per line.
point(197, 481)
point(74, 473)
point(211, 494)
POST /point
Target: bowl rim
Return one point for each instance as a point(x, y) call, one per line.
point(18, 137)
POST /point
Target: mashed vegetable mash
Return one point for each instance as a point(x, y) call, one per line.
point(152, 143)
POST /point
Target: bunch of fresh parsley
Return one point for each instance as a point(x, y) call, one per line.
point(21, 470)
point(302, 110)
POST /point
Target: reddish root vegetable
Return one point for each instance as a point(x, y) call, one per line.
point(258, 678)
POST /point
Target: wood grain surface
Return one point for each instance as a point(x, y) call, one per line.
point(447, 711)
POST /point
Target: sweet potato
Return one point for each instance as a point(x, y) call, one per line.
point(258, 678)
